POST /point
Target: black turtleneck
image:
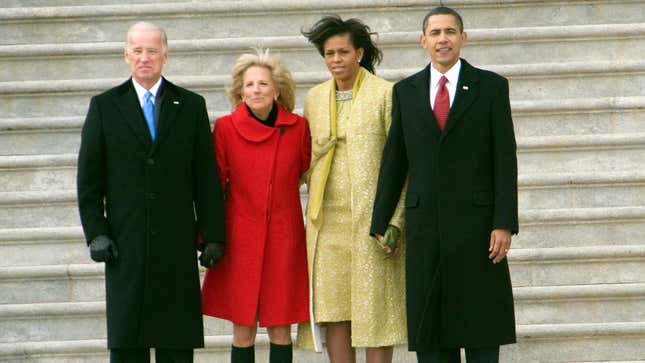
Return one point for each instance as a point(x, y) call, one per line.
point(270, 121)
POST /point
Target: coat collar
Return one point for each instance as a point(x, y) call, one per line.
point(254, 131)
point(467, 91)
point(128, 104)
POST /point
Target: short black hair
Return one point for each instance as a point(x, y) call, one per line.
point(443, 10)
point(359, 34)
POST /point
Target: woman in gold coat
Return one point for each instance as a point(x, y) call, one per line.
point(357, 284)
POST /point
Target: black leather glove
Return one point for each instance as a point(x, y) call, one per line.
point(211, 254)
point(103, 249)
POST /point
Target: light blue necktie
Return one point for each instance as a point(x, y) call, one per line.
point(149, 113)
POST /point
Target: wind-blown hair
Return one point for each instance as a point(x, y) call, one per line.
point(282, 79)
point(359, 34)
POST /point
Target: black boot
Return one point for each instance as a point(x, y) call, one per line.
point(281, 353)
point(243, 355)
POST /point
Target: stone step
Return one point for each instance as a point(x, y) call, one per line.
point(582, 79)
point(598, 267)
point(39, 209)
point(581, 190)
point(58, 207)
point(555, 266)
point(580, 153)
point(581, 227)
point(619, 342)
point(37, 172)
point(217, 351)
point(22, 62)
point(67, 321)
point(577, 116)
point(61, 134)
point(221, 19)
point(579, 303)
point(42, 246)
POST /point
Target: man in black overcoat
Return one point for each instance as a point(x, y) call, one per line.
point(454, 141)
point(147, 184)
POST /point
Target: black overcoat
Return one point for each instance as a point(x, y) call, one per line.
point(151, 198)
point(462, 184)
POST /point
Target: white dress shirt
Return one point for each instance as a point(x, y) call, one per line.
point(453, 78)
point(141, 91)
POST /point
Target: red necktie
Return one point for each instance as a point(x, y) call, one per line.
point(442, 103)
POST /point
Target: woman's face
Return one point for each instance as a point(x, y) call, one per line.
point(258, 90)
point(342, 59)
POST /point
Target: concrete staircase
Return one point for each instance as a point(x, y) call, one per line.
point(577, 72)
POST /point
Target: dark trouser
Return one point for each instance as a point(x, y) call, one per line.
point(143, 355)
point(473, 355)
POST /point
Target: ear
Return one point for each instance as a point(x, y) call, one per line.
point(464, 38)
point(359, 53)
point(422, 41)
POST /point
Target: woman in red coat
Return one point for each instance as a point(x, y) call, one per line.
point(262, 151)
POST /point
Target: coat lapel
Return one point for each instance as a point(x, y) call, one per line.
point(467, 91)
point(170, 104)
point(129, 106)
point(421, 96)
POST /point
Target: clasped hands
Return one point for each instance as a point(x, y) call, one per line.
point(390, 242)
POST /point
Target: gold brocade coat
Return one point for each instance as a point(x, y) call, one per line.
point(378, 284)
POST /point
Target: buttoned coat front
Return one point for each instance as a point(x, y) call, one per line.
point(264, 272)
point(377, 286)
point(462, 184)
point(146, 196)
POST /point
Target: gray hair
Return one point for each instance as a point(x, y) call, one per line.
point(144, 25)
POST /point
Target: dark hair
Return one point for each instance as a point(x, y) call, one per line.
point(359, 34)
point(443, 10)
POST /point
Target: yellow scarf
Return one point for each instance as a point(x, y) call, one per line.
point(316, 196)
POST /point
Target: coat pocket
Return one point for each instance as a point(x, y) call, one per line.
point(411, 200)
point(482, 197)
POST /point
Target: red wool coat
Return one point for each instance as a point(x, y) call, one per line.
point(264, 271)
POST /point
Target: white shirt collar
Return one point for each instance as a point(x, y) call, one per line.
point(452, 74)
point(141, 91)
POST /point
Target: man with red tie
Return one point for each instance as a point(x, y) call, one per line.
point(452, 138)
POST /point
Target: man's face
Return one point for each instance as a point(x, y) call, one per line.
point(146, 56)
point(443, 41)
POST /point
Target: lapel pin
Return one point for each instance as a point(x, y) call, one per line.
point(465, 88)
point(175, 102)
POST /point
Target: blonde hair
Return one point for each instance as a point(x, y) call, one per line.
point(282, 79)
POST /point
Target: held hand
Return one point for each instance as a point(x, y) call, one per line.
point(391, 241)
point(212, 254)
point(500, 243)
point(103, 249)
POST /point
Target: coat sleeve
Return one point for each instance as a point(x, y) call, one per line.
point(398, 218)
point(220, 153)
point(504, 162)
point(393, 172)
point(208, 191)
point(305, 151)
point(90, 178)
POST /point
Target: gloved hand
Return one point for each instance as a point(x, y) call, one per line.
point(392, 237)
point(212, 253)
point(103, 249)
point(390, 241)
